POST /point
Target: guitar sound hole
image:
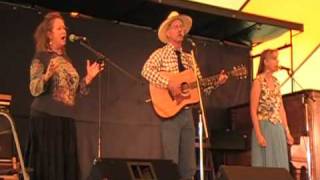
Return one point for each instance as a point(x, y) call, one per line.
point(185, 88)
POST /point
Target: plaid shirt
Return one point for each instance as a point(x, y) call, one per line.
point(165, 60)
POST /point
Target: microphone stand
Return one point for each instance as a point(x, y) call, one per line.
point(102, 58)
point(201, 113)
point(308, 101)
point(305, 100)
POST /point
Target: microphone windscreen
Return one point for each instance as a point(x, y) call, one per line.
point(72, 37)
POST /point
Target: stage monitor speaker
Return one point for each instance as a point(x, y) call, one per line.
point(252, 173)
point(133, 169)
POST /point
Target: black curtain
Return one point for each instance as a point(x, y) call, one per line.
point(129, 126)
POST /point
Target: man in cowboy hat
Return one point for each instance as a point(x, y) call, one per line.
point(177, 132)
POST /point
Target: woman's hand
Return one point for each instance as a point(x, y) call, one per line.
point(92, 70)
point(261, 140)
point(51, 69)
point(290, 139)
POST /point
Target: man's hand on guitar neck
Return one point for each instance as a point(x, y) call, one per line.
point(222, 77)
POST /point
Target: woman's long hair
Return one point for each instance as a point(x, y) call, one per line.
point(264, 55)
point(41, 34)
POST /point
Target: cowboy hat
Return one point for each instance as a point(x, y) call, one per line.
point(174, 15)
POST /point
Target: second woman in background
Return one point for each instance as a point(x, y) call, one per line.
point(270, 134)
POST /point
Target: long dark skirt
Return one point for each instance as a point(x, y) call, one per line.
point(51, 149)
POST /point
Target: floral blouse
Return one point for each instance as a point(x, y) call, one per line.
point(269, 101)
point(61, 89)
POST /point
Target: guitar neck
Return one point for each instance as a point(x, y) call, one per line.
point(212, 80)
point(239, 72)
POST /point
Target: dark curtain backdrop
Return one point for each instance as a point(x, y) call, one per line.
point(129, 126)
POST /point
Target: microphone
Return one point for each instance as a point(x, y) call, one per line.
point(79, 15)
point(286, 69)
point(191, 41)
point(74, 38)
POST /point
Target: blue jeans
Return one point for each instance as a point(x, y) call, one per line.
point(178, 139)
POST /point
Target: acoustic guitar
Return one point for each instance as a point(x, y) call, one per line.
point(167, 105)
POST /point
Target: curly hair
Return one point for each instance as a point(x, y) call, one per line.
point(41, 34)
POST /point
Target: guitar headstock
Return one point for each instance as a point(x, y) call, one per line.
point(239, 71)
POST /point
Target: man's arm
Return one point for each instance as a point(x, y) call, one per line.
point(151, 70)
